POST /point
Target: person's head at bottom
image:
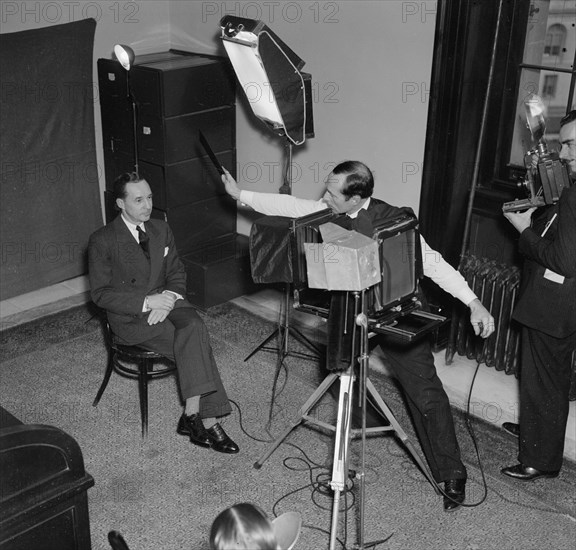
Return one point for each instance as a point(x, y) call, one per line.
point(245, 526)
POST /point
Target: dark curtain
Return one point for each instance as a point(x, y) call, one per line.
point(50, 200)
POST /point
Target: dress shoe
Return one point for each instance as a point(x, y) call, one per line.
point(512, 428)
point(526, 473)
point(220, 440)
point(193, 427)
point(455, 490)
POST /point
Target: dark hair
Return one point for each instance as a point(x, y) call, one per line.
point(119, 189)
point(359, 179)
point(242, 526)
point(570, 117)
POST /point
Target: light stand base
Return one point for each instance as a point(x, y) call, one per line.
point(283, 332)
point(344, 433)
point(380, 405)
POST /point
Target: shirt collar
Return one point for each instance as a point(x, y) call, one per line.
point(132, 227)
point(363, 207)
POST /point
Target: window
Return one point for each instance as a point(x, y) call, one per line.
point(549, 86)
point(547, 70)
point(477, 133)
point(555, 38)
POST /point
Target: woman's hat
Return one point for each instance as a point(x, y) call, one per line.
point(287, 529)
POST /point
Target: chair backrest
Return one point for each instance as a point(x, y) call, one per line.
point(117, 541)
point(107, 330)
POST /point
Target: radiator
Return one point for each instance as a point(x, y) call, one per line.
point(496, 286)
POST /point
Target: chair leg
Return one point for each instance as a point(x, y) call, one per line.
point(143, 368)
point(107, 374)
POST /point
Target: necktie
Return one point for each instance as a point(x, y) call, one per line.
point(143, 240)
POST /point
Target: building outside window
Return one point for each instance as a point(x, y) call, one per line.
point(547, 70)
point(555, 38)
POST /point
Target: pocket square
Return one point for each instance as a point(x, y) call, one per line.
point(166, 248)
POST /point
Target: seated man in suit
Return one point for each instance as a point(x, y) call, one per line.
point(349, 190)
point(137, 277)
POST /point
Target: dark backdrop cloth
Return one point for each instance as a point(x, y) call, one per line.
point(270, 254)
point(49, 193)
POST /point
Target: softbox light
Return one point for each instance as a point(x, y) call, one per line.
point(269, 73)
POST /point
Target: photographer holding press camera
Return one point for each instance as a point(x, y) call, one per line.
point(546, 309)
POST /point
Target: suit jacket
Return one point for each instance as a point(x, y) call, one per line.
point(546, 304)
point(377, 213)
point(121, 276)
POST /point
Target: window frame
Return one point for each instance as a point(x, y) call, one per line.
point(507, 174)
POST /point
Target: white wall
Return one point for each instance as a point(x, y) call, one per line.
point(370, 63)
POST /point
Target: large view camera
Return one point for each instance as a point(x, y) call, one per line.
point(393, 305)
point(546, 173)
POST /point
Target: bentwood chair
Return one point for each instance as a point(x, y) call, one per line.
point(133, 362)
point(117, 541)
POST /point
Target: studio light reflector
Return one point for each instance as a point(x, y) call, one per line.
point(269, 73)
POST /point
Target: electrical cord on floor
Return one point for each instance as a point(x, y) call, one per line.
point(317, 484)
point(473, 436)
point(243, 430)
point(523, 505)
point(320, 484)
point(471, 431)
point(468, 423)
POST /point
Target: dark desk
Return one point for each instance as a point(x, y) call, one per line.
point(43, 488)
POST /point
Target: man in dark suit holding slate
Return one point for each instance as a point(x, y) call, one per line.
point(137, 277)
point(546, 309)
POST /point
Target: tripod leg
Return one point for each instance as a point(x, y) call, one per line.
point(262, 345)
point(340, 462)
point(305, 341)
point(401, 434)
point(279, 363)
point(341, 444)
point(334, 525)
point(312, 400)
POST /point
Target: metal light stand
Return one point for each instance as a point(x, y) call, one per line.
point(134, 123)
point(283, 331)
point(344, 432)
